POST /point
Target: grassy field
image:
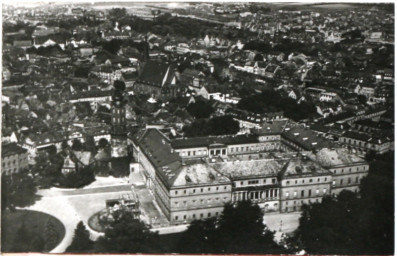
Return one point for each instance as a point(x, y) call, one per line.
point(34, 222)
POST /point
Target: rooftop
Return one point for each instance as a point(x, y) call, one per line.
point(207, 141)
point(299, 167)
point(157, 148)
point(305, 138)
point(11, 149)
point(156, 73)
point(253, 168)
point(198, 174)
point(335, 157)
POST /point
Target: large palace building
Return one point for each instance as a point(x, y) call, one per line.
point(280, 167)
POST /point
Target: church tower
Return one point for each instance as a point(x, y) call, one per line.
point(118, 114)
point(118, 122)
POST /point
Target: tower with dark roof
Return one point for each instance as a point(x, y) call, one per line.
point(118, 122)
point(118, 113)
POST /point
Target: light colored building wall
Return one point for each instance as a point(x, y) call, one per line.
point(14, 163)
point(298, 191)
point(348, 177)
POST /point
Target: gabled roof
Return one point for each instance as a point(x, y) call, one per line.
point(198, 174)
point(156, 74)
point(299, 167)
point(329, 158)
point(11, 149)
point(157, 147)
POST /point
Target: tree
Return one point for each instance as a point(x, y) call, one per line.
point(83, 176)
point(117, 12)
point(119, 85)
point(81, 240)
point(89, 144)
point(199, 237)
point(200, 109)
point(52, 150)
point(113, 46)
point(50, 235)
point(239, 230)
point(127, 235)
point(77, 145)
point(46, 171)
point(103, 143)
point(223, 125)
point(64, 145)
point(17, 190)
point(349, 224)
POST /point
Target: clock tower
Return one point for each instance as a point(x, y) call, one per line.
point(118, 131)
point(118, 114)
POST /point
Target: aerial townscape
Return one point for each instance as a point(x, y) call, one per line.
point(197, 128)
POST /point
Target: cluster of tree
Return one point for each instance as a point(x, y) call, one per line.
point(200, 109)
point(17, 190)
point(257, 45)
point(81, 240)
point(45, 51)
point(223, 125)
point(79, 178)
point(271, 101)
point(117, 13)
point(166, 24)
point(351, 223)
point(125, 235)
point(239, 229)
point(47, 169)
point(70, 24)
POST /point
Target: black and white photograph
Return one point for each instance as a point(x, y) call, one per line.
point(158, 127)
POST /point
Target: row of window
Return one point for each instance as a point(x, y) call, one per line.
point(253, 182)
point(351, 169)
point(303, 181)
point(242, 149)
point(201, 201)
point(201, 190)
point(12, 163)
point(349, 181)
point(184, 217)
point(118, 120)
point(303, 193)
point(302, 202)
point(223, 151)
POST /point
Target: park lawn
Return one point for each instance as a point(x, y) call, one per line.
point(34, 222)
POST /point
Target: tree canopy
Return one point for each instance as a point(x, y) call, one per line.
point(17, 190)
point(238, 230)
point(200, 109)
point(81, 240)
point(127, 235)
point(271, 101)
point(223, 125)
point(350, 224)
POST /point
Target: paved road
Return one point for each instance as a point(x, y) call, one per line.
point(73, 205)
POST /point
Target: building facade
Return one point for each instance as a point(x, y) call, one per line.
point(13, 158)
